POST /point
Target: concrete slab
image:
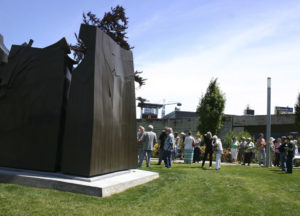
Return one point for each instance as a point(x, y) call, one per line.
point(103, 186)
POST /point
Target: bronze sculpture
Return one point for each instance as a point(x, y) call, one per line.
point(85, 129)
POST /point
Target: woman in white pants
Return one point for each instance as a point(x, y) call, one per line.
point(234, 149)
point(217, 144)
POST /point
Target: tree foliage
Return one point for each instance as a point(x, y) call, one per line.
point(114, 23)
point(227, 139)
point(211, 108)
point(297, 112)
point(139, 79)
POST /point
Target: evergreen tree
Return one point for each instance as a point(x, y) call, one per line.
point(113, 23)
point(211, 108)
point(297, 112)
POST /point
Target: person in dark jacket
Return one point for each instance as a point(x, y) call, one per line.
point(162, 138)
point(283, 153)
point(208, 148)
point(290, 154)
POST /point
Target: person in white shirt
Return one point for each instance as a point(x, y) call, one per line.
point(189, 143)
point(296, 150)
point(217, 145)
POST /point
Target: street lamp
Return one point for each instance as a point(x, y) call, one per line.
point(163, 111)
point(268, 162)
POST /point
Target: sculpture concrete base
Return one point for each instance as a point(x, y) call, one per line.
point(103, 186)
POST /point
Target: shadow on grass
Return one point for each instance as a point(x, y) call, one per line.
point(280, 172)
point(276, 170)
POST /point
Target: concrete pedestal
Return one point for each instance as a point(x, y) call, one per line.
point(103, 186)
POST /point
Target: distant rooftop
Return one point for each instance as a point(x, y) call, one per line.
point(150, 105)
point(181, 114)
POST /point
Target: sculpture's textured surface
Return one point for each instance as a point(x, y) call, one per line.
point(31, 106)
point(100, 122)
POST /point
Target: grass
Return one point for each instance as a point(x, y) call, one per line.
point(181, 190)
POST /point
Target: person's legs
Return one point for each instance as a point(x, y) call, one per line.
point(245, 158)
point(165, 158)
point(259, 157)
point(174, 154)
point(182, 153)
point(197, 158)
point(239, 157)
point(250, 158)
point(218, 161)
point(282, 161)
point(149, 152)
point(204, 158)
point(210, 159)
point(242, 156)
point(278, 159)
point(168, 158)
point(289, 164)
point(161, 156)
point(142, 158)
point(264, 157)
point(234, 154)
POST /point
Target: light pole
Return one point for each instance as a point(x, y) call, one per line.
point(268, 162)
point(163, 112)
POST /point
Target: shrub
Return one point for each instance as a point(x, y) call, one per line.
point(226, 141)
point(155, 152)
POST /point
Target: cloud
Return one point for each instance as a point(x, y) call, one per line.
point(241, 57)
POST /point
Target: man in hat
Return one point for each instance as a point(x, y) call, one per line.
point(148, 140)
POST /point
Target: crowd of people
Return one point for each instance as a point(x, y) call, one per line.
point(282, 150)
point(169, 146)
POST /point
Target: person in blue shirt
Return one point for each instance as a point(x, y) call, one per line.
point(168, 147)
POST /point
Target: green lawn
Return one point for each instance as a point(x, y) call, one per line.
point(181, 190)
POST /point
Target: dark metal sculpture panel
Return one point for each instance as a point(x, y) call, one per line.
point(100, 123)
point(31, 104)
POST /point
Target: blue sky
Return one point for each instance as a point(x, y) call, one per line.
point(182, 44)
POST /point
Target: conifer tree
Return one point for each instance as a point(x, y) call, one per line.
point(211, 108)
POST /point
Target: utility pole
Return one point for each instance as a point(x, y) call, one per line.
point(268, 158)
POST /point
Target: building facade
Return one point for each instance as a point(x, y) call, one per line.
point(280, 124)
